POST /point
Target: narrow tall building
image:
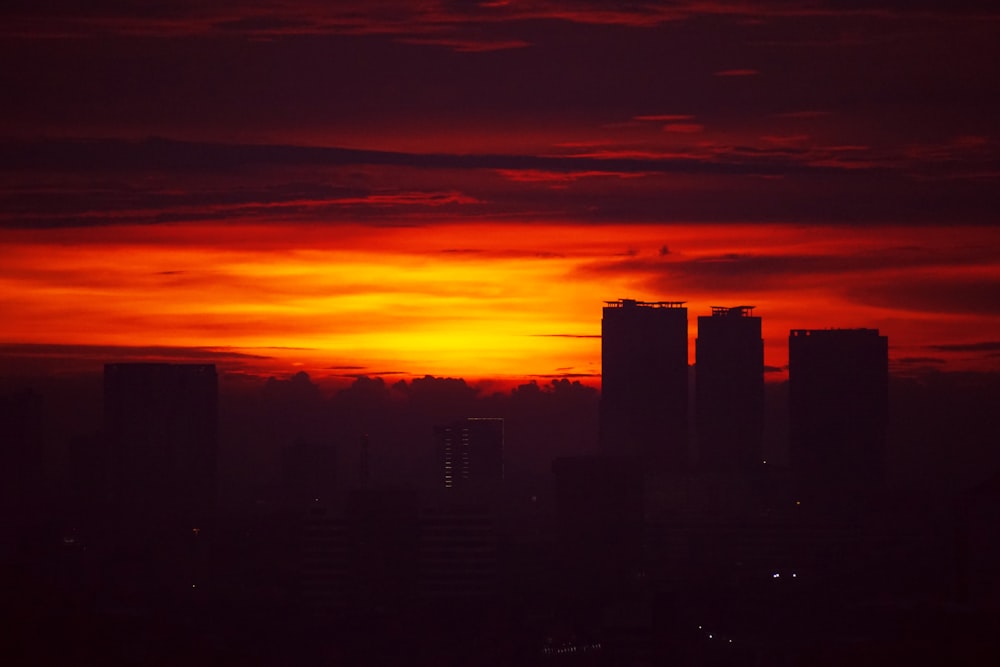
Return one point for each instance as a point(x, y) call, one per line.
point(729, 389)
point(839, 403)
point(470, 453)
point(644, 382)
point(161, 424)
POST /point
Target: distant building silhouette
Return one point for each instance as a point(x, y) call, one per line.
point(308, 473)
point(364, 557)
point(599, 511)
point(838, 402)
point(161, 425)
point(22, 417)
point(458, 554)
point(470, 453)
point(21, 460)
point(644, 382)
point(729, 389)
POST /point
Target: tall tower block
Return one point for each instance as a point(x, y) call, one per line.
point(839, 403)
point(161, 424)
point(729, 389)
point(644, 382)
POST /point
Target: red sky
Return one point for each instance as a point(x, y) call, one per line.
point(454, 188)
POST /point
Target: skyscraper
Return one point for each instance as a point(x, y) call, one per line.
point(161, 421)
point(838, 401)
point(729, 389)
point(470, 453)
point(161, 424)
point(644, 382)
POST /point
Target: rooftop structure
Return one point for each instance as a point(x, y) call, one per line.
point(644, 382)
point(729, 370)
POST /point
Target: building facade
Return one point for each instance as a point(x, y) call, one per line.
point(644, 382)
point(839, 404)
point(161, 427)
point(729, 389)
point(470, 453)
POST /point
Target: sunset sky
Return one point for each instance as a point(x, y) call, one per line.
point(404, 188)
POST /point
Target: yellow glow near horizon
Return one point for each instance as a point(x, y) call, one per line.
point(476, 300)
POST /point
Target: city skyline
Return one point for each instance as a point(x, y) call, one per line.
point(421, 188)
point(502, 332)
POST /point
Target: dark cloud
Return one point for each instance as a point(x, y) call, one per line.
point(737, 72)
point(163, 154)
point(883, 138)
point(467, 45)
point(557, 335)
point(41, 360)
point(984, 346)
point(962, 294)
point(115, 352)
point(738, 271)
point(402, 16)
point(66, 183)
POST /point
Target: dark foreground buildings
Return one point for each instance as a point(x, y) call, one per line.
point(839, 402)
point(729, 395)
point(161, 429)
point(644, 382)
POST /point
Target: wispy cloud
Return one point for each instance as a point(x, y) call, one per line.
point(737, 72)
point(453, 25)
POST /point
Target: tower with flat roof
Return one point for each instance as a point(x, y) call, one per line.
point(839, 404)
point(644, 382)
point(729, 388)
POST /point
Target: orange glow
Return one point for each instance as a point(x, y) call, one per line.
point(476, 300)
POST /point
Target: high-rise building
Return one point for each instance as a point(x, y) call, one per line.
point(161, 424)
point(458, 553)
point(729, 389)
point(161, 421)
point(644, 382)
point(308, 473)
point(470, 453)
point(21, 461)
point(599, 512)
point(838, 402)
point(365, 556)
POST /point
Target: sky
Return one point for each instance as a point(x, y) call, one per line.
point(454, 188)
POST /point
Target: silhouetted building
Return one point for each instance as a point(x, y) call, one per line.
point(364, 558)
point(729, 389)
point(21, 459)
point(838, 402)
point(308, 473)
point(644, 382)
point(161, 426)
point(458, 554)
point(325, 572)
point(470, 453)
point(599, 521)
